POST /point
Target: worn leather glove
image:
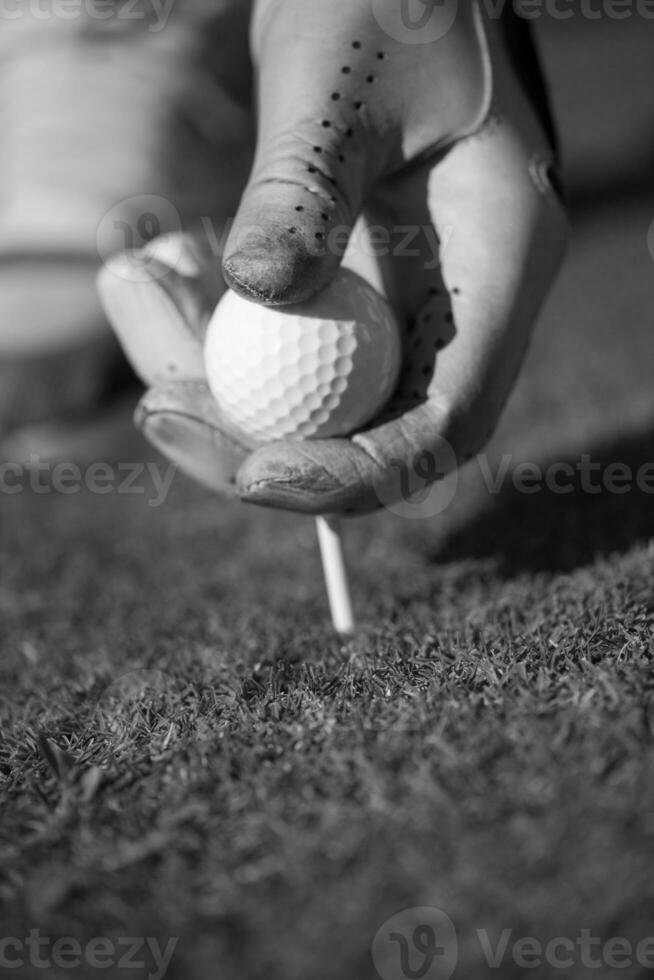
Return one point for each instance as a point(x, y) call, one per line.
point(432, 141)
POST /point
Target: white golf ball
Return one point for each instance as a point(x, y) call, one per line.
point(309, 371)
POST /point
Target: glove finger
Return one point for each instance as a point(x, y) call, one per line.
point(342, 100)
point(321, 476)
point(183, 421)
point(159, 300)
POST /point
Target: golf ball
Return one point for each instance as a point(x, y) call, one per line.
point(309, 371)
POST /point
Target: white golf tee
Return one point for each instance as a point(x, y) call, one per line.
point(333, 563)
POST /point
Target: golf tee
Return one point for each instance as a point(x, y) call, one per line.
point(333, 563)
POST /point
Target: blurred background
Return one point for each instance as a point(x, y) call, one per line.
point(587, 383)
point(588, 374)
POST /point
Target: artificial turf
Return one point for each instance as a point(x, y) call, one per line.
point(187, 751)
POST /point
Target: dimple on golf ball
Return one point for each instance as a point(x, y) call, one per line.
point(309, 371)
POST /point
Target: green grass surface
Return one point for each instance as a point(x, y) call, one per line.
point(186, 750)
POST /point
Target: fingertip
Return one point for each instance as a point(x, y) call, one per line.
point(181, 420)
point(281, 474)
point(281, 249)
point(275, 276)
point(310, 477)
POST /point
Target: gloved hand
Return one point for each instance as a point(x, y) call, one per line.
point(432, 141)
